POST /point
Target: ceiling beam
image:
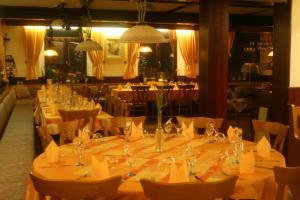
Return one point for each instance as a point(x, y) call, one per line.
point(102, 15)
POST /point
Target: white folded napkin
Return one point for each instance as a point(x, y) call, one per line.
point(263, 147)
point(175, 87)
point(233, 133)
point(178, 174)
point(84, 134)
point(230, 133)
point(119, 87)
point(137, 131)
point(196, 86)
point(52, 152)
point(99, 168)
point(247, 163)
point(98, 106)
point(188, 131)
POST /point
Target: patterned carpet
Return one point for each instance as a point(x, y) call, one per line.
point(17, 151)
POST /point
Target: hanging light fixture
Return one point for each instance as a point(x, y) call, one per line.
point(142, 33)
point(145, 49)
point(88, 44)
point(50, 51)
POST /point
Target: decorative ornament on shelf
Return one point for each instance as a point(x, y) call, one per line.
point(86, 18)
point(142, 33)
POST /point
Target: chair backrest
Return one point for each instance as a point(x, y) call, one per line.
point(289, 176)
point(167, 92)
point(186, 92)
point(112, 125)
point(200, 122)
point(89, 116)
point(295, 121)
point(61, 189)
point(140, 94)
point(110, 104)
point(67, 131)
point(272, 128)
point(189, 190)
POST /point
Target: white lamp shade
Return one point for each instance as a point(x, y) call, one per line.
point(270, 54)
point(50, 52)
point(88, 45)
point(145, 49)
point(142, 34)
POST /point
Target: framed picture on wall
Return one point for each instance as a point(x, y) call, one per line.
point(113, 48)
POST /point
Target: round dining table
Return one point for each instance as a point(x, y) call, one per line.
point(136, 159)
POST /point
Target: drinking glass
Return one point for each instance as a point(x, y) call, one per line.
point(127, 130)
point(130, 163)
point(209, 131)
point(78, 148)
point(168, 127)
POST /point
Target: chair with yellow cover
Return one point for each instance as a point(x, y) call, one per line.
point(63, 189)
point(111, 126)
point(295, 121)
point(189, 190)
point(89, 116)
point(200, 122)
point(267, 129)
point(290, 177)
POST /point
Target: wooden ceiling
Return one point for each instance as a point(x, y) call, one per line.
point(159, 12)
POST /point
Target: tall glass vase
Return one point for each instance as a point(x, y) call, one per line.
point(159, 132)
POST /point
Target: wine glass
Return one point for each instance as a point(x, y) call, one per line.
point(168, 127)
point(130, 163)
point(209, 131)
point(127, 130)
point(78, 148)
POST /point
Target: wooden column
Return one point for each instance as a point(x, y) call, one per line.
point(213, 63)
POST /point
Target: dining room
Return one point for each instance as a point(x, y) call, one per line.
point(149, 99)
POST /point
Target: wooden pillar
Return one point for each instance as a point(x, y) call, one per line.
point(213, 55)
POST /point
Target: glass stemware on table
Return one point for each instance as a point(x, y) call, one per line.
point(78, 149)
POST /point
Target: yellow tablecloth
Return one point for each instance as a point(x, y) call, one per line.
point(209, 165)
point(45, 114)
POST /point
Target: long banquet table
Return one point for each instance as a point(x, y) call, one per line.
point(46, 115)
point(210, 165)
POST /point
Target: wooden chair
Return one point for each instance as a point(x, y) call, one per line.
point(139, 104)
point(184, 102)
point(295, 121)
point(200, 122)
point(89, 116)
point(66, 130)
point(271, 128)
point(111, 126)
point(289, 176)
point(189, 190)
point(60, 189)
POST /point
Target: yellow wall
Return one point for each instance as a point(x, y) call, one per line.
point(295, 45)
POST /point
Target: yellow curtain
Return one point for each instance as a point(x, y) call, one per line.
point(96, 57)
point(34, 39)
point(231, 37)
point(2, 53)
point(131, 65)
point(189, 51)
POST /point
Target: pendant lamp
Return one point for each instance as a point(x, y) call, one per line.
point(142, 33)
